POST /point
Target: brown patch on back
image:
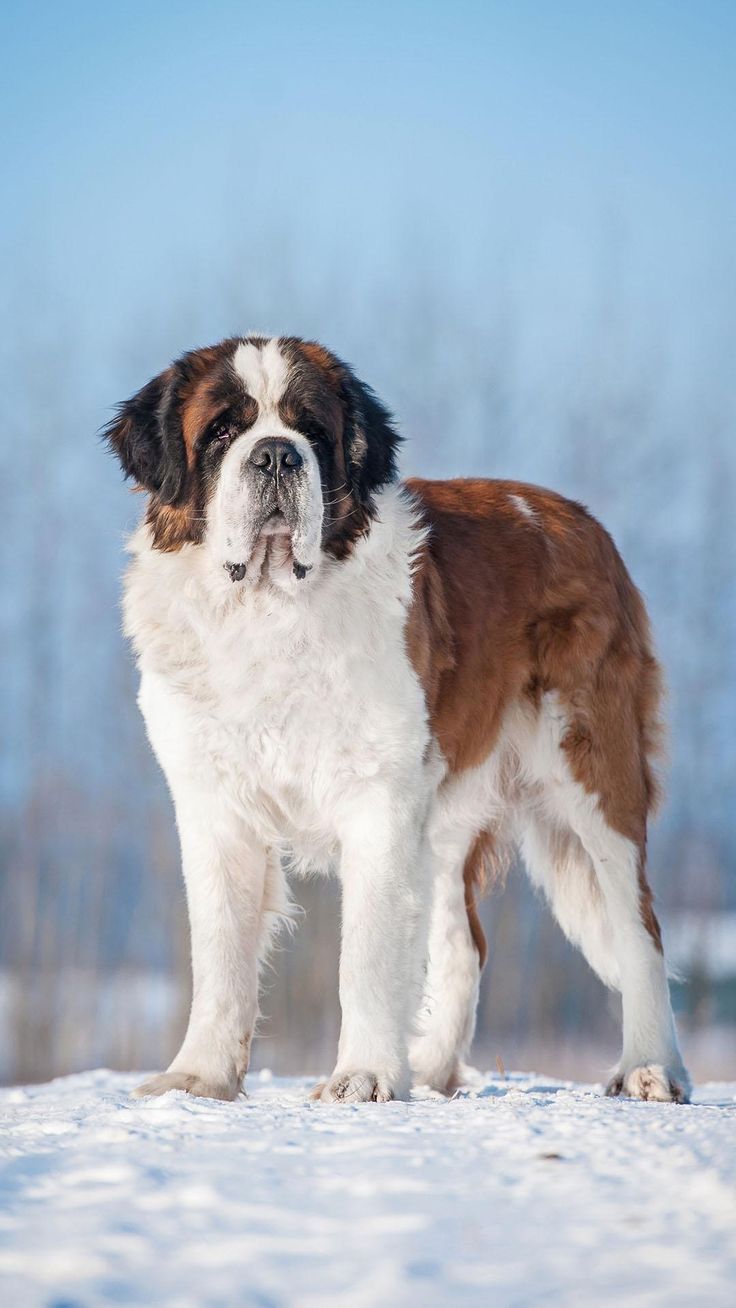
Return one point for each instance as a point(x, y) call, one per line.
point(486, 567)
point(529, 606)
point(428, 632)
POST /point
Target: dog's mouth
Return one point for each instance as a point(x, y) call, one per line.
point(275, 525)
point(273, 552)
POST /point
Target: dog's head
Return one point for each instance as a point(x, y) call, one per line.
point(267, 452)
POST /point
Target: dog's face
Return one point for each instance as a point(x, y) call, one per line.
point(266, 452)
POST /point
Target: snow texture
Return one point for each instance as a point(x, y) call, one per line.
point(523, 1191)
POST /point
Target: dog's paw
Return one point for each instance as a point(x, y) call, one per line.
point(198, 1086)
point(354, 1088)
point(651, 1081)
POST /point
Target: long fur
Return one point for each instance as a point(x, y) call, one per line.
point(395, 682)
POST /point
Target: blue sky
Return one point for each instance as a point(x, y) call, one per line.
point(515, 219)
point(145, 140)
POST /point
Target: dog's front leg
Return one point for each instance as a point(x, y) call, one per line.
point(224, 871)
point(381, 917)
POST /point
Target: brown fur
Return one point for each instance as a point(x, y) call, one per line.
point(536, 605)
point(172, 527)
point(317, 391)
point(474, 877)
point(317, 395)
point(506, 607)
point(201, 401)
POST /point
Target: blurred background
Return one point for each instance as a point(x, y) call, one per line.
point(517, 223)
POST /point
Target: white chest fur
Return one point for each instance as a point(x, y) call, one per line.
point(288, 700)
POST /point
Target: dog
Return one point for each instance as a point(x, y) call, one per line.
point(397, 680)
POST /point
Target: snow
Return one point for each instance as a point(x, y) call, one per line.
point(524, 1191)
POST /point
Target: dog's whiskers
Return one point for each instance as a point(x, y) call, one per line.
point(331, 504)
point(329, 497)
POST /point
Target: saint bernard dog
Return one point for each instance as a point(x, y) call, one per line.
point(394, 680)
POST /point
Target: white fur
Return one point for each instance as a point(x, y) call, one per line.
point(523, 506)
point(289, 722)
point(594, 890)
point(480, 799)
point(446, 1022)
point(292, 722)
point(263, 371)
point(233, 531)
point(525, 795)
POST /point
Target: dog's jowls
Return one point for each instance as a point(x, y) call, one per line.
point(400, 681)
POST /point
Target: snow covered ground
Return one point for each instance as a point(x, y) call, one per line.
point(522, 1192)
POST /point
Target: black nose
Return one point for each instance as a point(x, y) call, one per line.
point(275, 457)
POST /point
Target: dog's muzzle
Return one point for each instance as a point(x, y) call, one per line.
point(274, 472)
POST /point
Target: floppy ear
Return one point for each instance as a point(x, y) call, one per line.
point(147, 437)
point(370, 438)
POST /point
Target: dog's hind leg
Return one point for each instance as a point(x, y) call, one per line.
point(651, 1066)
point(595, 884)
point(558, 865)
point(585, 843)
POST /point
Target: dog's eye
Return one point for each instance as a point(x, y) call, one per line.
point(312, 429)
point(220, 430)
